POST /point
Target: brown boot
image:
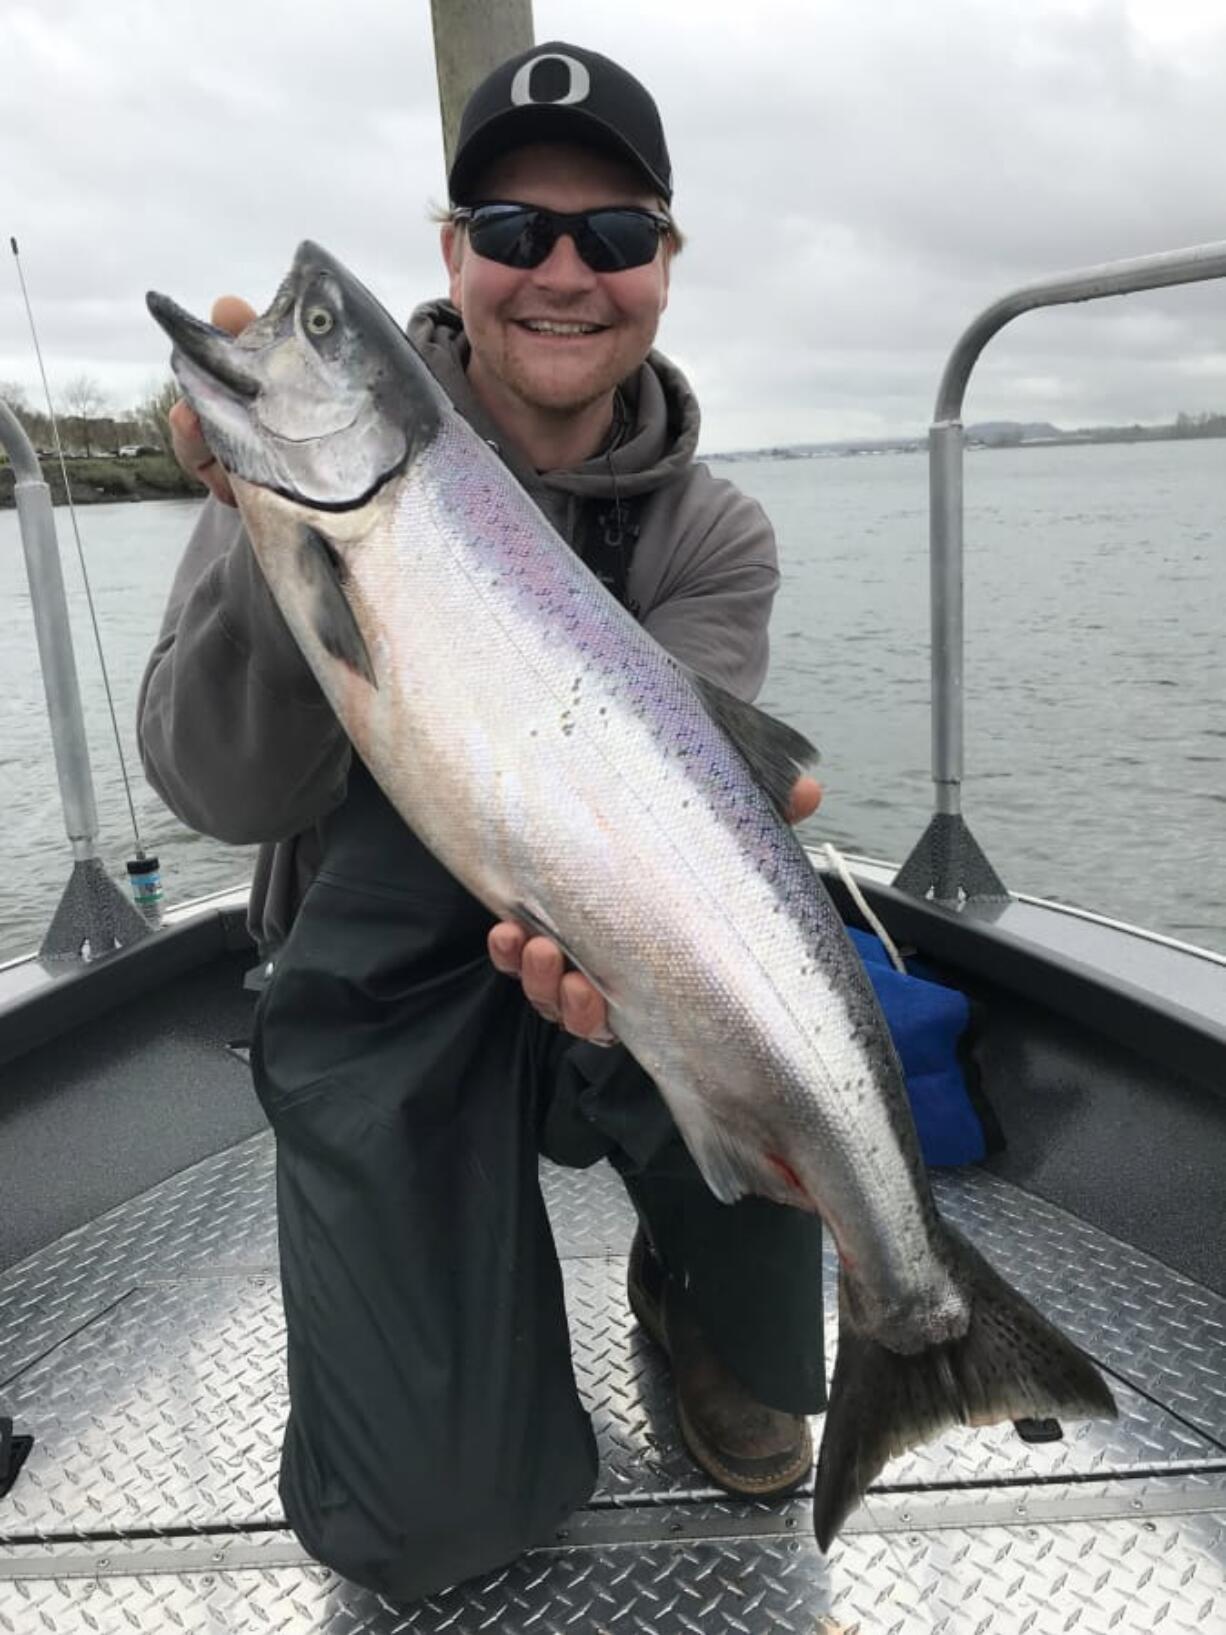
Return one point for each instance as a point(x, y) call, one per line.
point(749, 1449)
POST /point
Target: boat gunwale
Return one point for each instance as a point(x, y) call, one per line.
point(39, 999)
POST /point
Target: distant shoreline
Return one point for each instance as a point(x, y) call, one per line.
point(110, 479)
point(994, 435)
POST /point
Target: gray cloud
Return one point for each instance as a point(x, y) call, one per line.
point(857, 182)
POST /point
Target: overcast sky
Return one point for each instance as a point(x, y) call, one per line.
point(857, 180)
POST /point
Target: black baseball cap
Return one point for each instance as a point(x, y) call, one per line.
point(560, 93)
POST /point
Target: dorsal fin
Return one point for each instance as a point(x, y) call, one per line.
point(775, 753)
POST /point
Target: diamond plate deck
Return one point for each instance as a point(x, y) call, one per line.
point(218, 1216)
point(1143, 1321)
point(135, 1346)
point(1096, 1579)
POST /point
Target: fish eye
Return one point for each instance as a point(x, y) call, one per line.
point(318, 320)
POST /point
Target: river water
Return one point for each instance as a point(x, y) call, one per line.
point(1095, 675)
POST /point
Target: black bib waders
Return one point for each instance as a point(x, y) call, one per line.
point(435, 1431)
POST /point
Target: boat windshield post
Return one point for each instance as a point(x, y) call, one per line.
point(471, 38)
point(93, 916)
point(947, 864)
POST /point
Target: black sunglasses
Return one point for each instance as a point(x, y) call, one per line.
point(523, 235)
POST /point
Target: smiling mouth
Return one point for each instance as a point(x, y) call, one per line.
point(560, 328)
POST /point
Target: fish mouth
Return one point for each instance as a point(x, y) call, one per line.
point(210, 350)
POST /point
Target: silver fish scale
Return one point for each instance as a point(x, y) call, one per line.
point(614, 812)
point(595, 661)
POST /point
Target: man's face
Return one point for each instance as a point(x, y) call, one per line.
point(499, 305)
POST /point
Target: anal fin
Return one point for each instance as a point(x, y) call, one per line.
point(734, 1165)
point(728, 1167)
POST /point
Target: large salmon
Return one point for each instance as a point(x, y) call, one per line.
point(577, 778)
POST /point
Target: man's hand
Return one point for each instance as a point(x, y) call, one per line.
point(232, 314)
point(567, 997)
point(806, 798)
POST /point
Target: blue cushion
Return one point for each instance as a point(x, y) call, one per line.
point(926, 1021)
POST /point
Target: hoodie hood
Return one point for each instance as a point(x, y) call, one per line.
point(664, 418)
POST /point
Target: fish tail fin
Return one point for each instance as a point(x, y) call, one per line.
point(1010, 1364)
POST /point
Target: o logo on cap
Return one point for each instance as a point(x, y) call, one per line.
point(578, 82)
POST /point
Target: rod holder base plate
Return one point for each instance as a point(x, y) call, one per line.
point(949, 865)
point(92, 910)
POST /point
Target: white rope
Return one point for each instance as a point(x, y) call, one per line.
point(839, 863)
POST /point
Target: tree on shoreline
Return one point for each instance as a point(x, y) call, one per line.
point(84, 401)
point(154, 413)
point(1200, 425)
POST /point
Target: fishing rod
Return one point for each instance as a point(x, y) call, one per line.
point(144, 870)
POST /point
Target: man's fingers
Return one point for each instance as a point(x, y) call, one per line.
point(541, 974)
point(191, 450)
point(584, 1011)
point(506, 945)
point(232, 313)
point(183, 418)
point(562, 996)
point(194, 454)
point(806, 798)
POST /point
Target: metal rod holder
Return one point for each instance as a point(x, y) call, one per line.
point(946, 863)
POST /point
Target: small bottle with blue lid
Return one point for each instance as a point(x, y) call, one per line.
point(145, 878)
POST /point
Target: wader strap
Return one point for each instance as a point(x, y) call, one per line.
point(605, 541)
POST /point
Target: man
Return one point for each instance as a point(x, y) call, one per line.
point(434, 1429)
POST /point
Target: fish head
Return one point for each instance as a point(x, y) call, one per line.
point(321, 400)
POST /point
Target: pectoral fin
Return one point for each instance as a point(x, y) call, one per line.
point(335, 624)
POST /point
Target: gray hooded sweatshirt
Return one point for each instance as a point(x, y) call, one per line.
point(236, 736)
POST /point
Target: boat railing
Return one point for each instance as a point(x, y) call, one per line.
point(93, 916)
point(947, 863)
